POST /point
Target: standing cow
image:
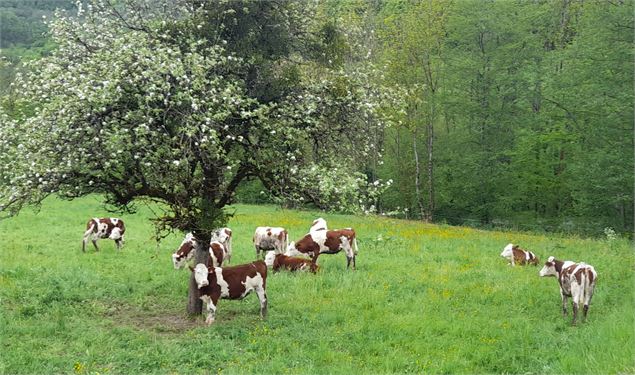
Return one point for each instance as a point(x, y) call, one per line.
point(517, 255)
point(184, 253)
point(97, 228)
point(224, 236)
point(234, 282)
point(270, 238)
point(326, 242)
point(577, 280)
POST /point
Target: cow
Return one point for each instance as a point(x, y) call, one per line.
point(270, 238)
point(326, 242)
point(234, 282)
point(577, 280)
point(184, 253)
point(281, 261)
point(517, 255)
point(318, 224)
point(97, 228)
point(224, 236)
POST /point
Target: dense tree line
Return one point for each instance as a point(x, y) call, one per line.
point(516, 113)
point(502, 113)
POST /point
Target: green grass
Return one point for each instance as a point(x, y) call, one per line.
point(425, 299)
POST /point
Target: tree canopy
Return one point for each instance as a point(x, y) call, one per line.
point(179, 103)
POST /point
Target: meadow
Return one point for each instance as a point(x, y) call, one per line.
point(424, 299)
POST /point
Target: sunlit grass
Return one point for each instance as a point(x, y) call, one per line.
point(425, 299)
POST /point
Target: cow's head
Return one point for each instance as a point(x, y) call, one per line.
point(184, 252)
point(549, 269)
point(292, 250)
point(269, 258)
point(508, 251)
point(200, 275)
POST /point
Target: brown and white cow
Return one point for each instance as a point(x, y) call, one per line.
point(224, 236)
point(326, 242)
point(97, 228)
point(270, 238)
point(281, 261)
point(577, 280)
point(234, 282)
point(184, 253)
point(517, 255)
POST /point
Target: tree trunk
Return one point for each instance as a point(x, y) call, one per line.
point(201, 255)
point(417, 173)
point(430, 140)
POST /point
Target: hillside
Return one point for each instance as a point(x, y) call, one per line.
point(425, 298)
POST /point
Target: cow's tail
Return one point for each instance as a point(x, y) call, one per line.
point(90, 229)
point(355, 249)
point(87, 233)
point(285, 242)
point(229, 249)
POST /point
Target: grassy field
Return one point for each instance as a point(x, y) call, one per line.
point(425, 299)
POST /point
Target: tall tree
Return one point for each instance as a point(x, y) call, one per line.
point(178, 104)
point(413, 35)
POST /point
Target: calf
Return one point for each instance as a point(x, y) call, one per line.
point(577, 280)
point(326, 242)
point(184, 253)
point(97, 228)
point(231, 283)
point(278, 261)
point(517, 255)
point(224, 236)
point(268, 238)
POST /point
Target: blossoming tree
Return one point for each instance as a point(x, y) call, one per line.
point(179, 102)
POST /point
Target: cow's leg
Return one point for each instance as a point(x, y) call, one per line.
point(575, 313)
point(564, 303)
point(350, 256)
point(587, 300)
point(119, 244)
point(262, 297)
point(84, 244)
point(95, 244)
point(210, 306)
point(577, 295)
point(257, 253)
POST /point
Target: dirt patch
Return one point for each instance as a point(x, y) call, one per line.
point(159, 320)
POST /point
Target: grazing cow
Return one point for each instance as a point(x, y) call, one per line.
point(326, 242)
point(577, 280)
point(184, 253)
point(97, 228)
point(318, 224)
point(224, 236)
point(231, 283)
point(269, 238)
point(278, 261)
point(517, 255)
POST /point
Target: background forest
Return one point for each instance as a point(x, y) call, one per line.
point(513, 114)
